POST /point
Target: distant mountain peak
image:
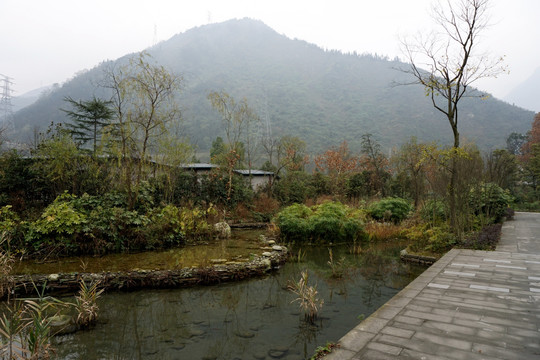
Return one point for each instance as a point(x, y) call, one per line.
point(527, 94)
point(298, 88)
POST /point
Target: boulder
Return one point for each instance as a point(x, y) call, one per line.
point(223, 230)
point(62, 325)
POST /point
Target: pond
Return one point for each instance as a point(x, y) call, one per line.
point(239, 248)
point(253, 319)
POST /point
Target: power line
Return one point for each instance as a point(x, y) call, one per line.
point(6, 107)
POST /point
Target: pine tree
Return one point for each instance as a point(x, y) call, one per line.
point(89, 118)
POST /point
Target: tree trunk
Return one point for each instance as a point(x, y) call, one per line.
point(453, 180)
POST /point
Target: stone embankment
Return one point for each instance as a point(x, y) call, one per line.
point(417, 259)
point(218, 271)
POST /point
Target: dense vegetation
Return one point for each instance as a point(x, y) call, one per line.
point(113, 180)
point(297, 88)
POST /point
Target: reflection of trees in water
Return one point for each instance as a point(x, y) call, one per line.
point(307, 334)
point(374, 268)
point(382, 270)
point(236, 319)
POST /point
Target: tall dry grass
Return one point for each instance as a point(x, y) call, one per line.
point(307, 296)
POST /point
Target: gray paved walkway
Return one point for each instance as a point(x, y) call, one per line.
point(468, 305)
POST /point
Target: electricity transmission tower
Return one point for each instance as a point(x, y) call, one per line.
point(6, 108)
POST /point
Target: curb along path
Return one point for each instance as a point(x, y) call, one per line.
point(468, 305)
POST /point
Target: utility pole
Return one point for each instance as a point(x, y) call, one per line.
point(6, 107)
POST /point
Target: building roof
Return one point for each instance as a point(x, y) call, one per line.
point(205, 166)
point(197, 166)
point(254, 172)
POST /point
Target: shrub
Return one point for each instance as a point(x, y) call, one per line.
point(115, 229)
point(264, 208)
point(293, 222)
point(424, 238)
point(486, 239)
point(390, 209)
point(214, 189)
point(330, 221)
point(57, 226)
point(294, 188)
point(60, 217)
point(9, 220)
point(489, 199)
point(96, 225)
point(434, 211)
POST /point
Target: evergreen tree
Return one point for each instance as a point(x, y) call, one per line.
point(89, 118)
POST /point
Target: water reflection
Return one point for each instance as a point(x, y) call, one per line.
point(253, 319)
point(239, 248)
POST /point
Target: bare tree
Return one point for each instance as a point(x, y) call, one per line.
point(236, 118)
point(143, 101)
point(447, 62)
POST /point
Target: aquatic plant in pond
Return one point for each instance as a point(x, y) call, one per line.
point(25, 331)
point(243, 320)
point(339, 268)
point(86, 303)
point(6, 265)
point(307, 298)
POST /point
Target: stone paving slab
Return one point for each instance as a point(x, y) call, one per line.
point(468, 305)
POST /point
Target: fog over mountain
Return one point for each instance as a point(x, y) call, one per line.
point(297, 88)
point(527, 94)
point(29, 97)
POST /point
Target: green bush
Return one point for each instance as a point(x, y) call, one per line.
point(390, 209)
point(171, 225)
point(97, 225)
point(11, 229)
point(57, 227)
point(434, 211)
point(293, 222)
point(330, 221)
point(490, 200)
point(214, 189)
point(294, 188)
point(427, 239)
point(8, 219)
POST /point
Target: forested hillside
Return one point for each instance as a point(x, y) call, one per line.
point(324, 97)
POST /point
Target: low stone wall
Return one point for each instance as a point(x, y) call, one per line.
point(25, 285)
point(417, 259)
point(259, 225)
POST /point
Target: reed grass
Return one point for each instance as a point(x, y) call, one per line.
point(86, 303)
point(307, 296)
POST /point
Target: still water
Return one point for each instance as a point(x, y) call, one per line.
point(254, 319)
point(238, 248)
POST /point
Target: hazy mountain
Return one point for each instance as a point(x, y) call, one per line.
point(29, 97)
point(324, 97)
point(527, 94)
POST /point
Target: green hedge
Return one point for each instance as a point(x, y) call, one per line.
point(490, 200)
point(73, 225)
point(390, 209)
point(330, 221)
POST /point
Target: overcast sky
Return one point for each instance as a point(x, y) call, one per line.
point(47, 41)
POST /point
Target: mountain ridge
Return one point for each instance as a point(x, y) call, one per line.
point(324, 97)
point(526, 94)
